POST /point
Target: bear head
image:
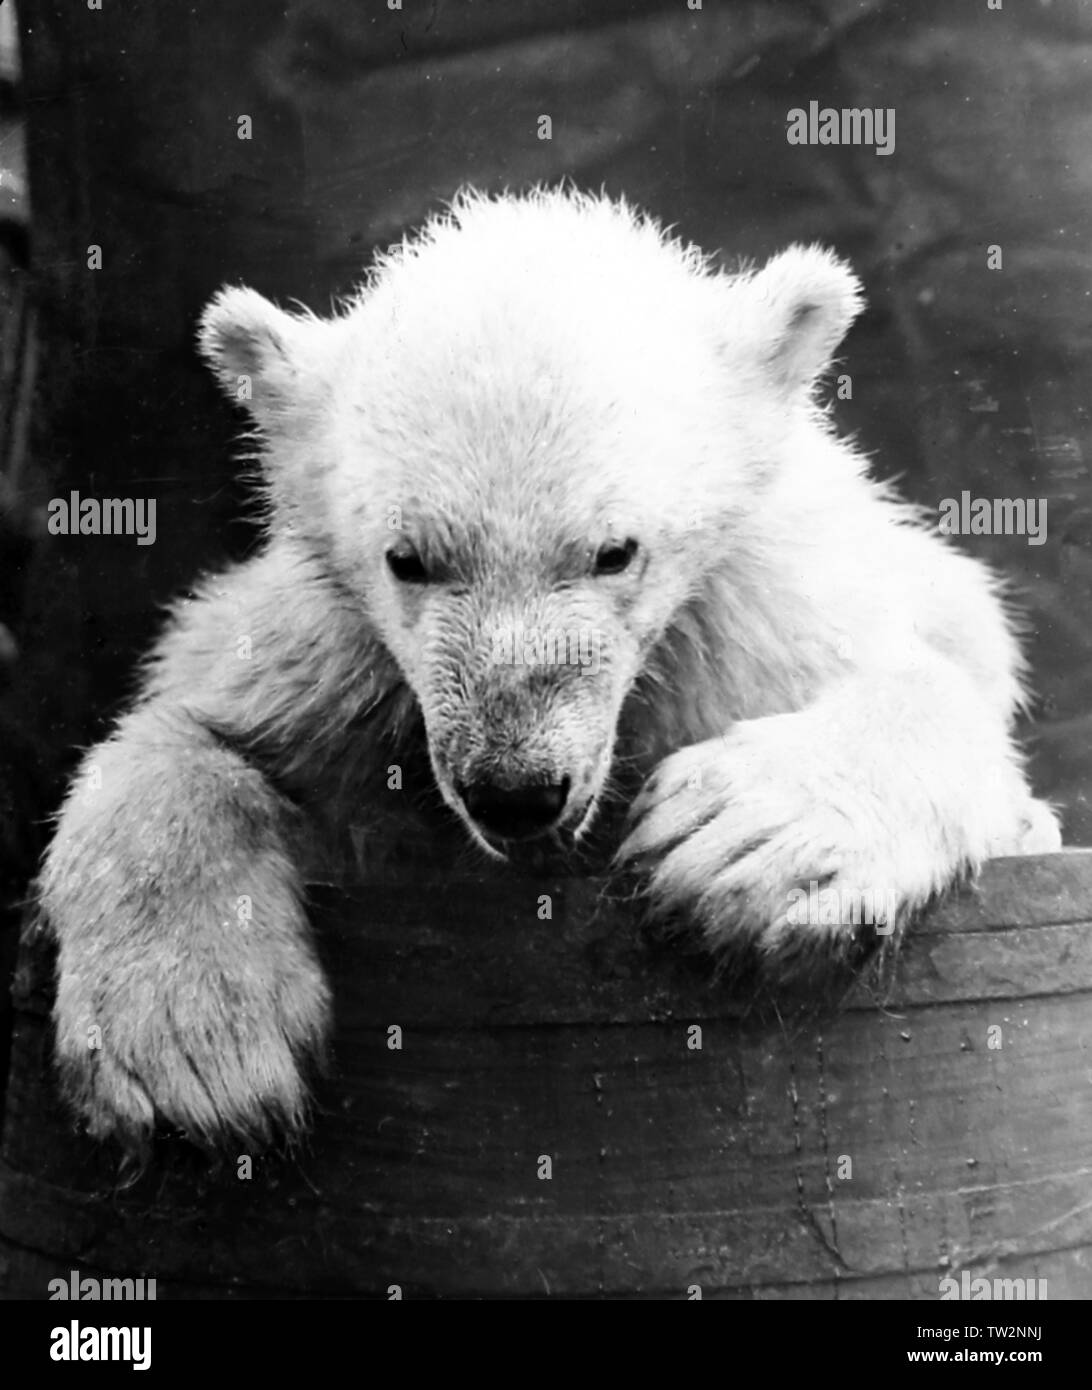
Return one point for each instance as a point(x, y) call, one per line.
point(522, 448)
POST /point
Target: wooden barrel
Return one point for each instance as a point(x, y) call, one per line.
point(570, 1107)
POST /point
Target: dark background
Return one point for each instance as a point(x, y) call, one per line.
point(364, 120)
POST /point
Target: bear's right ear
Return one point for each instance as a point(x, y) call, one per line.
point(256, 350)
point(792, 314)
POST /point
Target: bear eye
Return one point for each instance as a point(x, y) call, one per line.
point(614, 556)
point(407, 566)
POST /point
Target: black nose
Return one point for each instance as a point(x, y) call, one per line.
point(515, 813)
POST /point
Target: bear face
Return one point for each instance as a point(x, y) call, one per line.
point(525, 447)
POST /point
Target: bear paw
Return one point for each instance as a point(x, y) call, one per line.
point(209, 1041)
point(188, 994)
point(770, 847)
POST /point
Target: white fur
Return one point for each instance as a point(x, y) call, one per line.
point(815, 687)
point(560, 353)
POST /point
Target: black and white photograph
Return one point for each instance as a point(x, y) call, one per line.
point(545, 661)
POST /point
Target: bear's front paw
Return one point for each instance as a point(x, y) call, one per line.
point(208, 1042)
point(188, 991)
point(185, 1017)
point(767, 845)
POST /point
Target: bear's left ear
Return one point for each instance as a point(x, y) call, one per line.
point(795, 311)
point(263, 357)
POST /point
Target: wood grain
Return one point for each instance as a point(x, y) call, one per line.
point(724, 1167)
